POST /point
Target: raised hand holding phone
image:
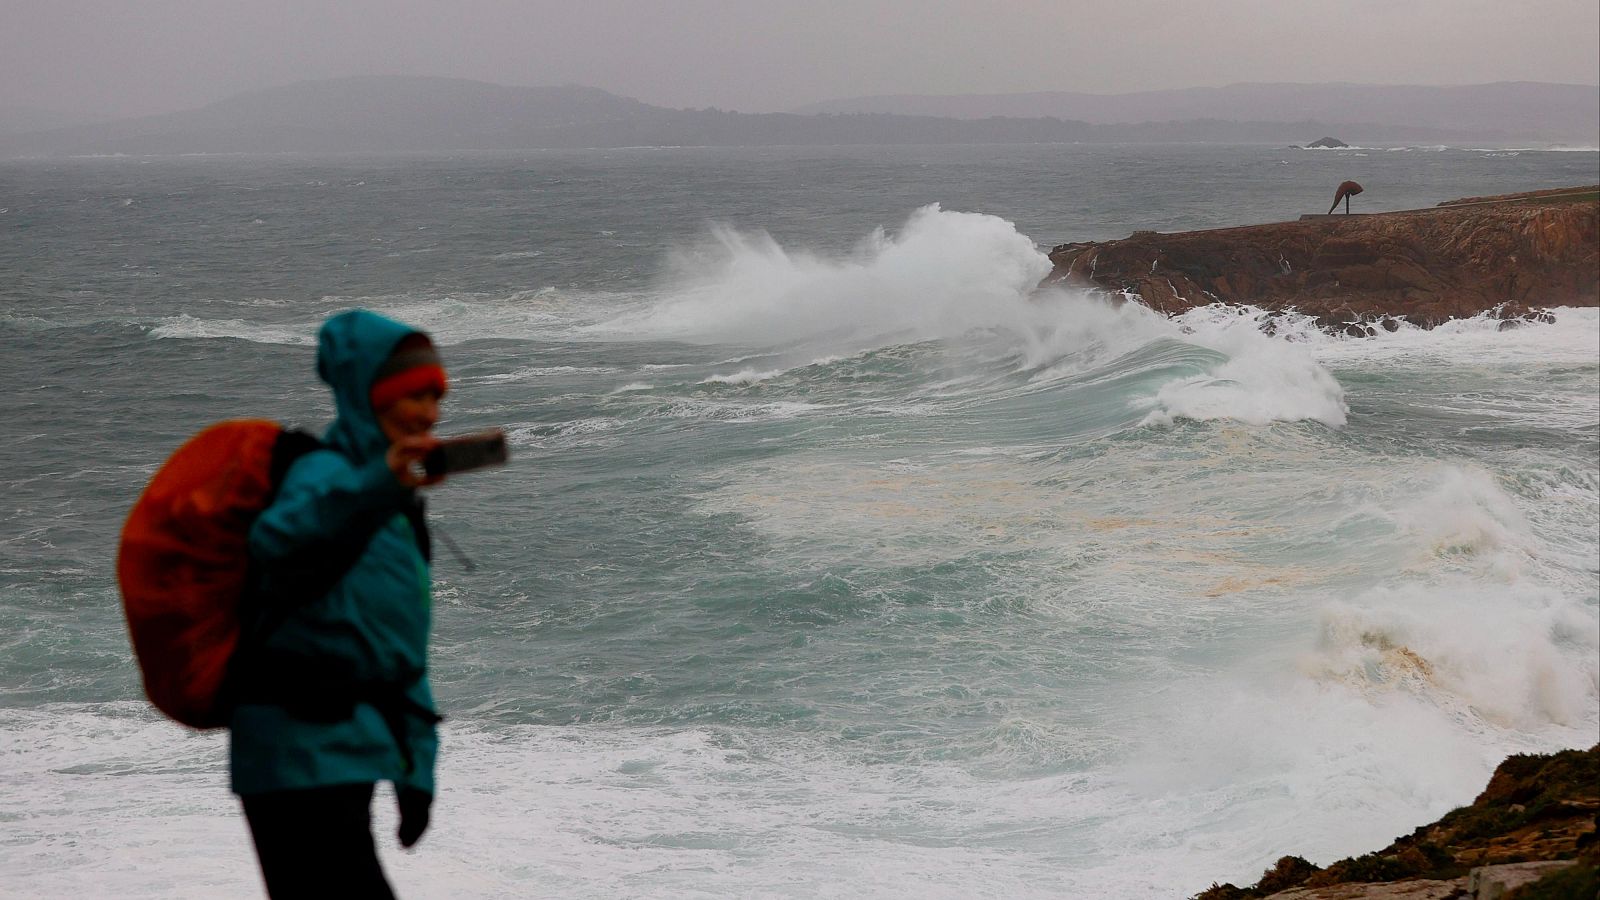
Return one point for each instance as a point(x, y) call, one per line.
point(466, 453)
point(405, 457)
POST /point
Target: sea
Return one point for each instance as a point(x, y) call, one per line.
point(835, 556)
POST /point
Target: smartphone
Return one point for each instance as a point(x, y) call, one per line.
point(467, 452)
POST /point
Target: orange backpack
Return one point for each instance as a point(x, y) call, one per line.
point(184, 560)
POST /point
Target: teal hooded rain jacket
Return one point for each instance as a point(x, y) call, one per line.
point(331, 677)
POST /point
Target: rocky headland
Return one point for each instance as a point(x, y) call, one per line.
point(1531, 835)
point(1511, 255)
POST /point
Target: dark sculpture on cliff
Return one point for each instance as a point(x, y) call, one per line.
point(1346, 190)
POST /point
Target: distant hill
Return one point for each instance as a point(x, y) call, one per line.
point(415, 114)
point(23, 119)
point(350, 114)
point(1534, 111)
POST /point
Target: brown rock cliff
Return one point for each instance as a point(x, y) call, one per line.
point(1514, 254)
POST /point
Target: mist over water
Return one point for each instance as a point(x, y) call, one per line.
point(942, 274)
point(836, 557)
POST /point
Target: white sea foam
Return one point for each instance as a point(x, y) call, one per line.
point(1477, 342)
point(1319, 768)
point(1265, 379)
point(1260, 388)
point(530, 373)
point(1546, 149)
point(736, 411)
point(1384, 707)
point(187, 326)
point(946, 274)
point(1284, 377)
point(1466, 516)
point(743, 377)
point(543, 314)
point(578, 433)
point(1485, 645)
point(1381, 710)
point(1397, 701)
point(1064, 332)
point(612, 812)
point(940, 275)
point(1474, 622)
point(1520, 659)
point(109, 797)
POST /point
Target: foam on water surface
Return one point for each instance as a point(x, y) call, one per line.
point(849, 563)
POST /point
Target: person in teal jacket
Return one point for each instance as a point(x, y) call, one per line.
point(330, 683)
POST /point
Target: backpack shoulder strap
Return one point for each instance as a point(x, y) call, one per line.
point(290, 446)
point(315, 576)
point(306, 583)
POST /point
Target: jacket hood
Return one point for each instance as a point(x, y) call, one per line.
point(350, 348)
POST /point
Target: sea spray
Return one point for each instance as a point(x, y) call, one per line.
point(1470, 619)
point(942, 274)
point(1513, 660)
point(945, 275)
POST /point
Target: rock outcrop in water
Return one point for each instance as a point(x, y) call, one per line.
point(1530, 834)
point(1513, 254)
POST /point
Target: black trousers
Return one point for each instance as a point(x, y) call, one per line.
point(317, 842)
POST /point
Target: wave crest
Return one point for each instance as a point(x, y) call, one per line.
point(943, 273)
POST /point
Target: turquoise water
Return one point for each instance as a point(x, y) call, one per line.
point(834, 558)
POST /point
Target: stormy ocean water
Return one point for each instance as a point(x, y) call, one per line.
point(834, 559)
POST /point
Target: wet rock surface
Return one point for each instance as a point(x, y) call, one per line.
point(1511, 255)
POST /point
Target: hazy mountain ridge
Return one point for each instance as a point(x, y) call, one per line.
point(349, 114)
point(417, 114)
point(23, 119)
point(1530, 110)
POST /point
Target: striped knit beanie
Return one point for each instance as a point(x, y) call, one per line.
point(413, 366)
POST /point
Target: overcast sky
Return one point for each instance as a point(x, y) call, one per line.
point(129, 57)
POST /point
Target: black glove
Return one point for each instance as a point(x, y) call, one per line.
point(414, 804)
